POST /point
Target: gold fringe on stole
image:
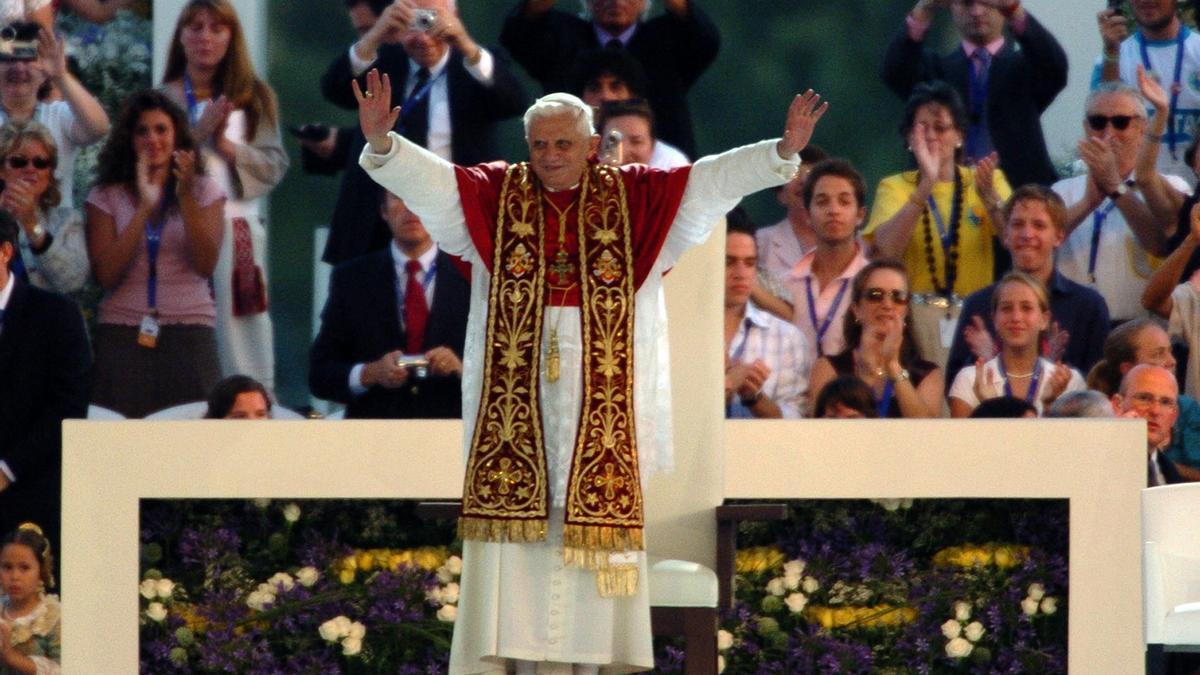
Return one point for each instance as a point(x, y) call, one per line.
point(617, 581)
point(495, 530)
point(601, 537)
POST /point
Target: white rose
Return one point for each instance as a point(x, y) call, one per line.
point(793, 567)
point(262, 502)
point(962, 610)
point(258, 599)
point(450, 594)
point(357, 631)
point(906, 503)
point(1036, 591)
point(343, 625)
point(351, 646)
point(720, 663)
point(724, 640)
point(889, 504)
point(796, 602)
point(974, 631)
point(1029, 606)
point(434, 595)
point(810, 585)
point(156, 612)
point(958, 648)
point(148, 588)
point(307, 576)
point(454, 564)
point(281, 579)
point(447, 613)
point(791, 581)
point(951, 629)
point(291, 512)
point(163, 588)
point(775, 587)
point(1049, 604)
point(329, 631)
point(444, 575)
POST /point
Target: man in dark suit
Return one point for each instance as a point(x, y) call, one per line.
point(373, 320)
point(1007, 84)
point(674, 49)
point(453, 92)
point(1151, 392)
point(45, 363)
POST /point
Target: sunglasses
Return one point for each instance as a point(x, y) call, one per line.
point(1119, 122)
point(898, 296)
point(20, 162)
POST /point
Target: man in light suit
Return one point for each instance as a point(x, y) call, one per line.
point(453, 91)
point(45, 364)
point(367, 327)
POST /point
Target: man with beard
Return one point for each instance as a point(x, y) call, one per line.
point(1170, 52)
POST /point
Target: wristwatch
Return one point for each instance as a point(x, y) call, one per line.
point(1122, 189)
point(902, 375)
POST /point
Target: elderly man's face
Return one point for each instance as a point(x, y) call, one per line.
point(1154, 14)
point(1151, 393)
point(615, 16)
point(976, 21)
point(558, 150)
point(1111, 110)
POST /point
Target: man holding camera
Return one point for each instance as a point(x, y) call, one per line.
point(1006, 84)
point(1170, 53)
point(392, 331)
point(453, 92)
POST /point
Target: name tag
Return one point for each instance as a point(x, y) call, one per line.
point(148, 332)
point(946, 326)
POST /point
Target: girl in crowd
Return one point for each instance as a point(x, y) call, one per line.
point(235, 121)
point(153, 231)
point(880, 349)
point(1020, 313)
point(29, 618)
point(53, 250)
point(941, 219)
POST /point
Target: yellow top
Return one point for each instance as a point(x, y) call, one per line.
point(975, 254)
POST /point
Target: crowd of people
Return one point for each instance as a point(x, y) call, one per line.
point(974, 282)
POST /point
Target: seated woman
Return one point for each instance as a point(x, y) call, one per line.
point(880, 349)
point(238, 397)
point(154, 230)
point(29, 618)
point(53, 250)
point(845, 398)
point(1021, 314)
point(940, 220)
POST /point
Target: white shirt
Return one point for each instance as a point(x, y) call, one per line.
point(5, 295)
point(667, 156)
point(963, 388)
point(439, 138)
point(784, 349)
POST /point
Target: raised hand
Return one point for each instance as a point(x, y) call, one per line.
point(150, 192)
point(52, 57)
point(977, 337)
point(985, 178)
point(1057, 383)
point(1101, 162)
point(927, 154)
point(376, 115)
point(212, 120)
point(802, 117)
point(1113, 30)
point(1057, 338)
point(985, 382)
point(1152, 90)
point(183, 167)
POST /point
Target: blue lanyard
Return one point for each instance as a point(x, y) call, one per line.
point(1098, 218)
point(421, 93)
point(192, 104)
point(1175, 83)
point(736, 356)
point(941, 224)
point(1031, 395)
point(885, 400)
point(154, 231)
point(823, 327)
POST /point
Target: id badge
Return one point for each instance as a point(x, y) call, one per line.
point(946, 326)
point(148, 332)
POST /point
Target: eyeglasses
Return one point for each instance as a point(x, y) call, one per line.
point(1144, 400)
point(898, 296)
point(20, 162)
point(1119, 122)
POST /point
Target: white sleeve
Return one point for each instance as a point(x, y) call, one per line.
point(716, 184)
point(428, 187)
point(482, 71)
point(963, 388)
point(1184, 301)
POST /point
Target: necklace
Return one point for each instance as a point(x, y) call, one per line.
point(1020, 376)
point(948, 234)
point(562, 265)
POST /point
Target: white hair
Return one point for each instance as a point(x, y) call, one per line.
point(1086, 403)
point(585, 9)
point(1121, 89)
point(554, 105)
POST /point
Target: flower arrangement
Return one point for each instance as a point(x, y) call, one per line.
point(899, 586)
point(243, 586)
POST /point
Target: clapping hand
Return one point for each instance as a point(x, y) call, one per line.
point(985, 382)
point(985, 179)
point(1057, 384)
point(150, 192)
point(1101, 162)
point(1152, 91)
point(19, 201)
point(802, 117)
point(211, 124)
point(977, 337)
point(926, 152)
point(183, 167)
point(376, 115)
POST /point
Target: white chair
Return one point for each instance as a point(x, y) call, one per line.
point(1171, 571)
point(95, 412)
point(683, 603)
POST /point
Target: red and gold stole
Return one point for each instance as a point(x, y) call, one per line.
point(506, 492)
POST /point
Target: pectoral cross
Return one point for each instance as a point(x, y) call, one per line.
point(562, 266)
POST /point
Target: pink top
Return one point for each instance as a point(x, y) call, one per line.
point(184, 296)
point(833, 340)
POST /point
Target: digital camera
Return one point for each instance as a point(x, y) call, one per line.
point(18, 42)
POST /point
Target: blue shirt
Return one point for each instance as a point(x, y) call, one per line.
point(1184, 447)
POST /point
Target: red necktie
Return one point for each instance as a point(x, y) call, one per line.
point(416, 311)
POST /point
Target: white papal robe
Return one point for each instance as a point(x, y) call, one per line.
point(517, 600)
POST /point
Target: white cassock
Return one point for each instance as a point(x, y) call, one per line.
point(517, 600)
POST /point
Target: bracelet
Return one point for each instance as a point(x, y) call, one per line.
point(1112, 57)
point(1011, 9)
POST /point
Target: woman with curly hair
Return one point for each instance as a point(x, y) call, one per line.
point(235, 120)
point(153, 231)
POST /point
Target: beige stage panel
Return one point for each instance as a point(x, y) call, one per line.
point(1099, 465)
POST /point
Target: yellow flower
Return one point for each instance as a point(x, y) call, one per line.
point(346, 576)
point(366, 561)
point(429, 557)
point(758, 559)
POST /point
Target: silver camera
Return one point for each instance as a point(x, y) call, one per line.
point(18, 42)
point(423, 20)
point(417, 363)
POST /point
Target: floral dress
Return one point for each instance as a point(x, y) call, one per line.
point(36, 634)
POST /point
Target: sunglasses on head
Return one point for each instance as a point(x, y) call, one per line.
point(20, 162)
point(898, 296)
point(1119, 122)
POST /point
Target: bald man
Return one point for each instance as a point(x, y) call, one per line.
point(1150, 392)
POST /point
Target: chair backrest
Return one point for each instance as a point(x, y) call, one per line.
point(184, 411)
point(95, 412)
point(1171, 518)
